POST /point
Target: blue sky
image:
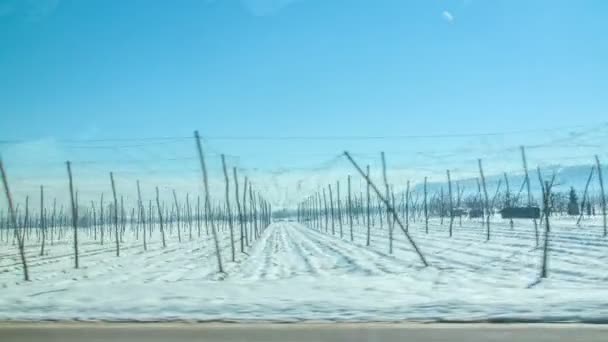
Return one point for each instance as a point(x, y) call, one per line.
point(80, 70)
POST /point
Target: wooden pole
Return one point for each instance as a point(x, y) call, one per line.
point(603, 199)
point(228, 211)
point(350, 210)
point(387, 194)
point(527, 180)
point(426, 210)
point(74, 215)
point(367, 207)
point(546, 196)
point(160, 219)
point(487, 202)
point(101, 223)
point(142, 215)
point(450, 201)
point(254, 211)
point(585, 196)
point(13, 218)
point(407, 206)
point(189, 216)
point(116, 212)
point(238, 206)
point(245, 217)
point(331, 210)
point(508, 197)
point(389, 207)
point(339, 207)
point(326, 211)
point(207, 197)
point(42, 221)
point(179, 234)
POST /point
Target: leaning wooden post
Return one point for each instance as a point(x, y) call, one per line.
point(389, 207)
point(451, 202)
point(207, 201)
point(407, 206)
point(254, 211)
point(542, 187)
point(245, 217)
point(123, 220)
point(142, 215)
point(487, 203)
point(189, 216)
point(367, 210)
point(546, 196)
point(228, 211)
point(426, 210)
point(74, 215)
point(198, 216)
point(179, 234)
point(388, 214)
point(116, 213)
point(101, 220)
point(585, 196)
point(508, 197)
point(326, 211)
point(441, 207)
point(13, 218)
point(160, 219)
point(527, 180)
point(238, 206)
point(339, 207)
point(42, 221)
point(603, 199)
point(331, 210)
point(350, 211)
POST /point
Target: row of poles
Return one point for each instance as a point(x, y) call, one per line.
point(252, 213)
point(324, 209)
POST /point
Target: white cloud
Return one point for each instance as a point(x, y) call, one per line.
point(447, 16)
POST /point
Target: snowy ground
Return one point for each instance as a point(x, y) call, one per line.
point(294, 273)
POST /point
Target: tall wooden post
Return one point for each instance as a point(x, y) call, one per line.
point(245, 217)
point(331, 210)
point(450, 201)
point(487, 202)
point(388, 198)
point(584, 199)
point(74, 215)
point(206, 185)
point(407, 206)
point(101, 221)
point(546, 201)
point(238, 206)
point(527, 180)
point(116, 213)
point(13, 218)
point(367, 211)
point(508, 197)
point(142, 215)
point(339, 207)
point(350, 210)
point(160, 219)
point(603, 199)
point(42, 221)
point(179, 233)
point(426, 210)
point(228, 211)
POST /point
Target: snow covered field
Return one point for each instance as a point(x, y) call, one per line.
point(294, 273)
